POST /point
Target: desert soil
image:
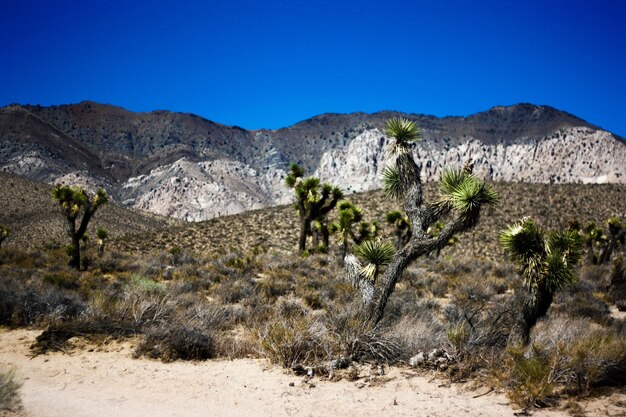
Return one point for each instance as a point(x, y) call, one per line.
point(105, 381)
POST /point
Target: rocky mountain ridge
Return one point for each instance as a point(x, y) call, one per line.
point(190, 168)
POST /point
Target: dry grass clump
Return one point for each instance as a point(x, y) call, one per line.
point(9, 391)
point(170, 342)
point(567, 356)
point(292, 341)
point(27, 301)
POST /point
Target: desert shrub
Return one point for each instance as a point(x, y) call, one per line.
point(529, 376)
point(353, 338)
point(476, 324)
point(418, 332)
point(212, 316)
point(234, 290)
point(405, 304)
point(174, 341)
point(29, 303)
point(139, 283)
point(9, 391)
point(189, 286)
point(67, 279)
point(292, 342)
point(290, 308)
point(273, 287)
point(113, 261)
point(458, 335)
point(585, 354)
point(179, 257)
point(581, 300)
point(595, 360)
point(142, 302)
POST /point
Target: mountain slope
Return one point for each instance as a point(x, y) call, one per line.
point(35, 220)
point(184, 166)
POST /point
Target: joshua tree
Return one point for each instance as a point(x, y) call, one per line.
point(4, 233)
point(350, 215)
point(594, 237)
point(617, 235)
point(462, 196)
point(313, 202)
point(402, 227)
point(102, 235)
point(73, 202)
point(546, 262)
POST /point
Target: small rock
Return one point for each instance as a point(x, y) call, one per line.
point(340, 363)
point(417, 360)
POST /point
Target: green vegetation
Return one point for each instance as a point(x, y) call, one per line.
point(546, 262)
point(462, 196)
point(349, 216)
point(313, 202)
point(102, 235)
point(600, 245)
point(74, 201)
point(402, 227)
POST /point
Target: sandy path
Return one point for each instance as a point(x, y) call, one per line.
point(110, 383)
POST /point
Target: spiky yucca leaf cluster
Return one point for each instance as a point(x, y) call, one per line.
point(392, 185)
point(404, 132)
point(375, 254)
point(465, 193)
point(295, 172)
point(544, 260)
point(72, 199)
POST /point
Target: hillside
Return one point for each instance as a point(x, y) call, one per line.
point(275, 229)
point(186, 167)
point(35, 220)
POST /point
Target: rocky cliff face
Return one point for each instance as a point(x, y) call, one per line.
point(183, 166)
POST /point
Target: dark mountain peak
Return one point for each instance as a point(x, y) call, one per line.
point(532, 113)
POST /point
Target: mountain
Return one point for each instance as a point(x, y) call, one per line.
point(187, 167)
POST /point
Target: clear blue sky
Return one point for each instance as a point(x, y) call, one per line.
point(272, 63)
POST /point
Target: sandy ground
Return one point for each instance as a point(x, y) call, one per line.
point(108, 382)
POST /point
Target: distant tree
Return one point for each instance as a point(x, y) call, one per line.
point(5, 232)
point(74, 201)
point(546, 262)
point(601, 245)
point(462, 196)
point(402, 227)
point(616, 237)
point(435, 229)
point(102, 235)
point(350, 216)
point(314, 201)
